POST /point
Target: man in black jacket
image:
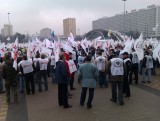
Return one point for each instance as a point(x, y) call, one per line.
point(9, 74)
point(62, 79)
point(127, 68)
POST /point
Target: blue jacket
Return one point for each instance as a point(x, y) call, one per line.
point(88, 74)
point(61, 74)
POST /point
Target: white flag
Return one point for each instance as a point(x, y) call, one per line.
point(156, 27)
point(138, 46)
point(156, 52)
point(15, 51)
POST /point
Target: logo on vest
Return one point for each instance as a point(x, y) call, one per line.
point(117, 63)
point(150, 60)
point(101, 60)
point(135, 56)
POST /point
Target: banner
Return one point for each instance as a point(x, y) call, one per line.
point(156, 52)
point(138, 46)
point(46, 51)
point(72, 66)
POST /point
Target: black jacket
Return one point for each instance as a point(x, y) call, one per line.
point(8, 71)
point(61, 73)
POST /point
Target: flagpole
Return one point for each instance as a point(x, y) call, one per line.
point(124, 16)
point(9, 23)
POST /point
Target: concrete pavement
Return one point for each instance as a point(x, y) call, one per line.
point(142, 106)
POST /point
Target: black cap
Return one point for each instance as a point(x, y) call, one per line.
point(125, 53)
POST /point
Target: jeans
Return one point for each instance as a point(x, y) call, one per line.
point(102, 79)
point(115, 85)
point(44, 75)
point(144, 76)
point(52, 73)
point(21, 83)
point(1, 84)
point(83, 96)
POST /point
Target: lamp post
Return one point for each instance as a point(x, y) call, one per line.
point(9, 24)
point(124, 15)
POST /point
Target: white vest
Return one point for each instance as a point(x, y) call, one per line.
point(101, 63)
point(149, 62)
point(74, 55)
point(27, 66)
point(135, 58)
point(117, 67)
point(43, 64)
point(35, 60)
point(53, 62)
point(80, 60)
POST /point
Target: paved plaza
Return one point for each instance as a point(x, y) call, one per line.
point(144, 105)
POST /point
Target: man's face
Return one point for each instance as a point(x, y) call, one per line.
point(64, 59)
point(110, 52)
point(125, 56)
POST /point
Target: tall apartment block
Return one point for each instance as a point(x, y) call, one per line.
point(142, 20)
point(69, 25)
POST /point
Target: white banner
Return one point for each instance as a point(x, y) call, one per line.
point(72, 66)
point(138, 46)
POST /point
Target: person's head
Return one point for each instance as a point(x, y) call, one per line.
point(111, 51)
point(146, 53)
point(7, 56)
point(62, 50)
point(83, 53)
point(37, 55)
point(62, 56)
point(25, 57)
point(133, 49)
point(125, 55)
point(70, 55)
point(42, 56)
point(88, 58)
point(99, 53)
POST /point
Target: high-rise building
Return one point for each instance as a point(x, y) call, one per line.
point(2, 31)
point(7, 30)
point(69, 25)
point(142, 21)
point(45, 33)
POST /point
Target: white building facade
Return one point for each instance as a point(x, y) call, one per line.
point(143, 21)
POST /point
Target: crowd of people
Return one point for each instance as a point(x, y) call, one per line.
point(94, 67)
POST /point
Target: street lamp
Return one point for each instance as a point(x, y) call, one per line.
point(124, 14)
point(9, 24)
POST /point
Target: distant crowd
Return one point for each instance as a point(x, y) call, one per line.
point(97, 66)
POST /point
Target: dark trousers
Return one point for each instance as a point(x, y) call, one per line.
point(102, 79)
point(63, 94)
point(83, 96)
point(10, 88)
point(119, 85)
point(126, 87)
point(134, 69)
point(30, 82)
point(71, 81)
point(44, 75)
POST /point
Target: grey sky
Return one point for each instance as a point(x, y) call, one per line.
point(33, 15)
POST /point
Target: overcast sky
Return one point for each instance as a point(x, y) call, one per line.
point(33, 15)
